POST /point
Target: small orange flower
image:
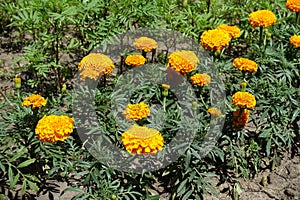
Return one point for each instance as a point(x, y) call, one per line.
point(136, 111)
point(233, 31)
point(262, 18)
point(142, 140)
point(293, 5)
point(94, 65)
point(135, 60)
point(295, 41)
point(54, 128)
point(215, 112)
point(183, 61)
point(35, 101)
point(145, 44)
point(244, 100)
point(245, 64)
point(200, 79)
point(240, 118)
point(215, 40)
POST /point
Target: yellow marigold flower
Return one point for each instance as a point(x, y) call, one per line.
point(215, 40)
point(35, 101)
point(54, 128)
point(183, 61)
point(295, 41)
point(145, 44)
point(136, 111)
point(142, 140)
point(135, 60)
point(95, 65)
point(214, 112)
point(200, 79)
point(245, 64)
point(293, 5)
point(244, 100)
point(262, 18)
point(240, 118)
point(233, 31)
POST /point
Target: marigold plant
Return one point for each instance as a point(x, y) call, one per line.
point(233, 31)
point(295, 41)
point(240, 118)
point(94, 65)
point(215, 112)
point(262, 18)
point(183, 61)
point(135, 60)
point(142, 140)
point(244, 100)
point(200, 79)
point(35, 101)
point(54, 128)
point(145, 44)
point(215, 40)
point(293, 5)
point(136, 111)
point(245, 64)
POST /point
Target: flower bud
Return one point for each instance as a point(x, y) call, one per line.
point(17, 82)
point(194, 105)
point(243, 85)
point(165, 88)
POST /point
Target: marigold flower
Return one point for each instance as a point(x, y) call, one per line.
point(240, 118)
point(200, 79)
point(262, 18)
point(295, 41)
point(244, 100)
point(214, 112)
point(293, 5)
point(136, 111)
point(135, 60)
point(35, 101)
point(183, 61)
point(145, 44)
point(233, 31)
point(245, 64)
point(54, 128)
point(215, 40)
point(95, 65)
point(142, 140)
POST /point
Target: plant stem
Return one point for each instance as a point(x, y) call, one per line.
point(260, 34)
point(297, 17)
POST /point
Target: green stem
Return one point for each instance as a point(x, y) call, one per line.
point(164, 103)
point(297, 17)
point(260, 34)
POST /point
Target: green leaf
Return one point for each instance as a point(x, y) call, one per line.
point(181, 188)
point(33, 186)
point(187, 195)
point(15, 181)
point(24, 185)
point(10, 175)
point(26, 163)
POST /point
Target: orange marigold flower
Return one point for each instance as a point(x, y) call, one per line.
point(145, 44)
point(200, 79)
point(245, 64)
point(35, 101)
point(183, 61)
point(293, 5)
point(295, 41)
point(233, 31)
point(94, 65)
point(240, 118)
point(135, 60)
point(262, 18)
point(244, 100)
point(136, 111)
point(214, 112)
point(54, 128)
point(142, 140)
point(215, 40)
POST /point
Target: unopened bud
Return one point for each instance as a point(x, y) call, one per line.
point(17, 82)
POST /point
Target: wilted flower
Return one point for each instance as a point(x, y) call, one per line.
point(214, 112)
point(200, 79)
point(295, 41)
point(233, 31)
point(136, 111)
point(240, 118)
point(145, 44)
point(244, 100)
point(245, 64)
point(293, 5)
point(94, 65)
point(215, 40)
point(262, 18)
point(183, 61)
point(54, 128)
point(142, 140)
point(35, 101)
point(135, 60)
